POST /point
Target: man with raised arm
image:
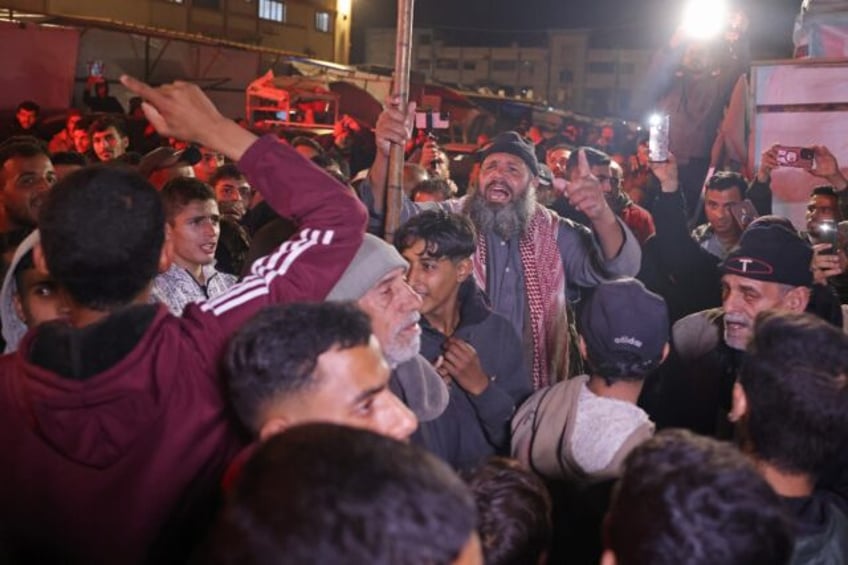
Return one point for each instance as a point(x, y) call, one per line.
point(115, 419)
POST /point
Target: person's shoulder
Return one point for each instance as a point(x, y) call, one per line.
point(697, 333)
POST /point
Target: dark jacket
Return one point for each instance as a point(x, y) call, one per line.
point(474, 427)
point(116, 434)
point(821, 531)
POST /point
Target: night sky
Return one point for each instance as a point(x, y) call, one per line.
point(624, 22)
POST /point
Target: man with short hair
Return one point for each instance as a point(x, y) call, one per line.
point(232, 191)
point(192, 228)
point(25, 121)
point(64, 140)
point(26, 174)
point(770, 269)
point(690, 499)
point(208, 163)
point(304, 363)
point(109, 139)
point(721, 232)
point(324, 493)
point(526, 255)
point(581, 430)
point(790, 406)
point(164, 164)
point(122, 407)
point(476, 350)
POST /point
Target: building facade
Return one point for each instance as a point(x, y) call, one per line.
point(315, 28)
point(566, 72)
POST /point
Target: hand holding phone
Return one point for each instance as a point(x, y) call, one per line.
point(798, 157)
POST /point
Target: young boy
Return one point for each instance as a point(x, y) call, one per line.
point(192, 228)
point(29, 297)
point(475, 349)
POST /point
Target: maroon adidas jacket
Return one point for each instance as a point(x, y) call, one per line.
point(101, 470)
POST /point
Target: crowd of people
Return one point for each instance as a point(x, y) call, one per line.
point(214, 355)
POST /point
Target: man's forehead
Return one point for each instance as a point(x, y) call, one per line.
point(111, 130)
point(20, 163)
point(739, 281)
point(727, 195)
point(509, 157)
point(390, 277)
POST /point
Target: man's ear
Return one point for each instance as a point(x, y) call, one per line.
point(796, 300)
point(19, 307)
point(38, 259)
point(125, 142)
point(464, 268)
point(273, 427)
point(739, 408)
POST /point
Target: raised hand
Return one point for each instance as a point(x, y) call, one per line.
point(181, 110)
point(586, 195)
point(393, 126)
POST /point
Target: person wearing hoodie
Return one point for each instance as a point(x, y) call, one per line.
point(116, 419)
point(28, 297)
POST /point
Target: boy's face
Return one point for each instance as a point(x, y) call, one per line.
point(37, 300)
point(436, 280)
point(194, 234)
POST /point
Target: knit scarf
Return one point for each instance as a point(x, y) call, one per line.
point(544, 282)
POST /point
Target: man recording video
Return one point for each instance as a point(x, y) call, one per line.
point(690, 80)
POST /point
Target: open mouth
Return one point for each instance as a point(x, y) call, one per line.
point(209, 248)
point(498, 193)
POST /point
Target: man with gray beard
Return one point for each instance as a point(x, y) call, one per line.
point(768, 270)
point(526, 254)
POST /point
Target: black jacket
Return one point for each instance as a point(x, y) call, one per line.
point(474, 427)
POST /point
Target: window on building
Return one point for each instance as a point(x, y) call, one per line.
point(604, 67)
point(566, 75)
point(175, 1)
point(447, 64)
point(503, 66)
point(322, 21)
point(208, 4)
point(273, 10)
point(527, 67)
point(469, 65)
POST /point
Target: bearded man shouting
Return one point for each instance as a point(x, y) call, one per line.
point(527, 256)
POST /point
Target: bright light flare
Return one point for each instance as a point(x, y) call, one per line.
point(705, 19)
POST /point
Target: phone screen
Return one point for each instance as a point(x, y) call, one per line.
point(827, 233)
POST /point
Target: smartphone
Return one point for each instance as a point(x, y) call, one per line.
point(801, 157)
point(658, 138)
point(432, 120)
point(744, 213)
point(827, 232)
point(95, 68)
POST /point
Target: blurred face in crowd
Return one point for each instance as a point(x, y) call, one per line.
point(193, 235)
point(821, 207)
point(435, 279)
point(160, 177)
point(233, 196)
point(82, 142)
point(717, 205)
point(744, 298)
point(109, 144)
point(26, 118)
point(26, 181)
point(394, 309)
point(208, 164)
point(72, 122)
point(37, 300)
point(351, 388)
point(696, 57)
point(557, 160)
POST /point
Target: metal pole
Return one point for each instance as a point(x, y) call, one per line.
point(400, 89)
